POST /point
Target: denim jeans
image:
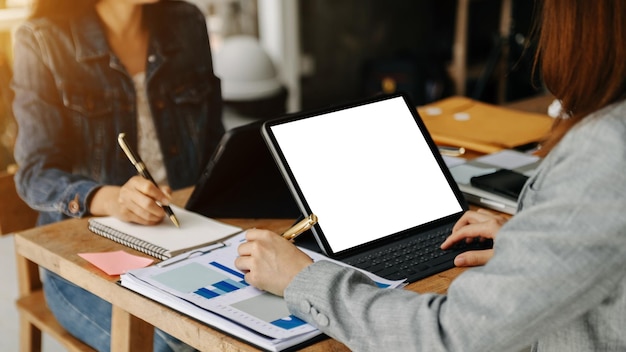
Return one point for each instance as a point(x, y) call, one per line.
point(88, 317)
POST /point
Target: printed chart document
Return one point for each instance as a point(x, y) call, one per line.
point(207, 286)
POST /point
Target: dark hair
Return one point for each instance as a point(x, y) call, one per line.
point(582, 56)
point(61, 9)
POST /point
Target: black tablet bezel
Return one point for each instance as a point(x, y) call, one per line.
point(301, 201)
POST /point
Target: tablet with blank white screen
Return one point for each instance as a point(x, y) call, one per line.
point(368, 170)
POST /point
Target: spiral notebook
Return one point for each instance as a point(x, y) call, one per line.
point(165, 240)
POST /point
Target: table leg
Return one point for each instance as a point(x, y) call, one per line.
point(129, 333)
point(30, 336)
point(28, 282)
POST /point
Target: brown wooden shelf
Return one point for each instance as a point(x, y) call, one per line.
point(33, 308)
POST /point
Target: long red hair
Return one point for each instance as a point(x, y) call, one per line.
point(582, 56)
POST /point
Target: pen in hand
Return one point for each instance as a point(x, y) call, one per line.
point(141, 169)
point(300, 227)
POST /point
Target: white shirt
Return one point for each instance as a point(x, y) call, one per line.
point(149, 148)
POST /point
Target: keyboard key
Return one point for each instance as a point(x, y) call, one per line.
point(413, 259)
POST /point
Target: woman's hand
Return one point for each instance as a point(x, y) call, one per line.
point(269, 261)
point(136, 201)
point(480, 224)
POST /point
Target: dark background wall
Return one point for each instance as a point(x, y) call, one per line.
point(354, 43)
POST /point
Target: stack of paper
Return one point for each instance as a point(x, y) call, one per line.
point(207, 286)
point(462, 171)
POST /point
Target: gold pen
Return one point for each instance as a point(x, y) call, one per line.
point(141, 169)
point(300, 227)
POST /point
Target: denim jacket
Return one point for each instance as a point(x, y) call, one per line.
point(73, 97)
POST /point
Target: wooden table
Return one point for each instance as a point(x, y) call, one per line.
point(55, 248)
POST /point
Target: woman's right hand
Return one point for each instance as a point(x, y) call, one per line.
point(136, 201)
point(481, 224)
point(269, 261)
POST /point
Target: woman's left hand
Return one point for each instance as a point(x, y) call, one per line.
point(481, 224)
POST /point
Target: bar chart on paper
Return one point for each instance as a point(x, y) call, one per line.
point(208, 287)
point(219, 288)
point(223, 286)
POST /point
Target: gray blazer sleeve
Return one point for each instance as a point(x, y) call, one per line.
point(557, 278)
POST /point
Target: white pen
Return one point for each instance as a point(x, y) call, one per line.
point(451, 151)
point(185, 256)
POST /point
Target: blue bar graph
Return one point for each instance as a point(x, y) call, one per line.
point(208, 294)
point(227, 269)
point(225, 286)
point(220, 288)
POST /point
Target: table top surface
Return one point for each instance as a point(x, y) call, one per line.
point(56, 248)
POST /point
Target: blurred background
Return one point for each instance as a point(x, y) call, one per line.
point(279, 56)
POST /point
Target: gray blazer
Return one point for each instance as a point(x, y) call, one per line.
point(556, 281)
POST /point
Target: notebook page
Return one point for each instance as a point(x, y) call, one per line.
point(195, 231)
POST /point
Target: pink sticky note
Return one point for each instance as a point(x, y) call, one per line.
point(116, 263)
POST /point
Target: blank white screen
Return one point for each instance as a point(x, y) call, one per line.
point(366, 172)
